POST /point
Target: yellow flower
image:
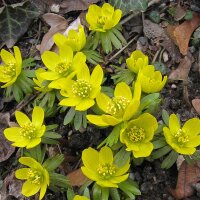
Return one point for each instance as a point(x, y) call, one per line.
point(103, 19)
point(11, 68)
point(100, 167)
point(40, 82)
point(138, 133)
point(78, 197)
point(137, 61)
point(120, 108)
point(183, 140)
point(151, 80)
point(62, 65)
point(81, 92)
point(36, 176)
point(30, 132)
point(76, 40)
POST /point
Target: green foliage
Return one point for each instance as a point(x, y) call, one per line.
point(155, 16)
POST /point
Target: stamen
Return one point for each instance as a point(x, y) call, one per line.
point(62, 67)
point(81, 88)
point(135, 134)
point(34, 176)
point(181, 136)
point(106, 170)
point(28, 131)
point(9, 70)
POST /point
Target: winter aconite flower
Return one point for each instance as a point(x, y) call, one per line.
point(78, 197)
point(75, 39)
point(36, 176)
point(137, 61)
point(100, 167)
point(62, 65)
point(138, 133)
point(103, 19)
point(11, 67)
point(81, 92)
point(30, 132)
point(120, 108)
point(183, 140)
point(151, 80)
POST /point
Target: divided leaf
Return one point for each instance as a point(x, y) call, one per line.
point(14, 22)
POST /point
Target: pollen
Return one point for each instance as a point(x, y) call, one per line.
point(101, 20)
point(9, 70)
point(62, 67)
point(117, 106)
point(81, 88)
point(181, 136)
point(34, 176)
point(136, 134)
point(28, 131)
point(106, 170)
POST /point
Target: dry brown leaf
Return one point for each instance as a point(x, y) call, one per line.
point(6, 150)
point(58, 25)
point(77, 178)
point(188, 175)
point(181, 73)
point(156, 33)
point(181, 34)
point(196, 105)
point(73, 5)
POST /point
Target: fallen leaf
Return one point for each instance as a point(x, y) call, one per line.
point(196, 105)
point(14, 22)
point(77, 178)
point(74, 5)
point(157, 34)
point(181, 73)
point(181, 34)
point(180, 12)
point(188, 175)
point(6, 150)
point(11, 187)
point(58, 24)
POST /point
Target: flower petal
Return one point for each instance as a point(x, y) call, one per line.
point(85, 104)
point(174, 124)
point(105, 156)
point(22, 173)
point(7, 57)
point(38, 116)
point(50, 59)
point(97, 120)
point(192, 127)
point(13, 133)
point(111, 120)
point(33, 143)
point(29, 189)
point(89, 173)
point(18, 57)
point(123, 90)
point(96, 76)
point(102, 101)
point(72, 101)
point(145, 150)
point(106, 183)
point(84, 73)
point(123, 169)
point(43, 190)
point(30, 162)
point(119, 179)
point(22, 118)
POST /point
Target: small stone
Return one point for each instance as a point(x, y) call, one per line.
point(173, 86)
point(165, 56)
point(55, 8)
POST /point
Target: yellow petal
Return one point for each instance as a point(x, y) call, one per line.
point(123, 169)
point(106, 183)
point(30, 162)
point(50, 59)
point(38, 116)
point(84, 74)
point(43, 190)
point(97, 76)
point(174, 124)
point(72, 101)
point(119, 179)
point(12, 134)
point(33, 143)
point(103, 101)
point(59, 39)
point(7, 57)
point(50, 75)
point(192, 127)
point(193, 142)
point(145, 150)
point(29, 189)
point(79, 62)
point(18, 57)
point(22, 173)
point(111, 120)
point(22, 118)
point(97, 120)
point(89, 173)
point(123, 90)
point(105, 156)
point(85, 104)
point(66, 54)
point(116, 17)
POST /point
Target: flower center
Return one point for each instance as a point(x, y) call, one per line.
point(34, 176)
point(28, 131)
point(62, 67)
point(117, 106)
point(9, 70)
point(106, 170)
point(81, 88)
point(101, 21)
point(181, 136)
point(136, 134)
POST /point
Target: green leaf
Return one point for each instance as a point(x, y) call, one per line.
point(93, 56)
point(122, 157)
point(106, 42)
point(155, 16)
point(159, 66)
point(104, 193)
point(78, 119)
point(51, 127)
point(114, 194)
point(130, 5)
point(86, 192)
point(52, 135)
point(70, 194)
point(115, 41)
point(159, 143)
point(165, 117)
point(52, 163)
point(117, 32)
point(29, 62)
point(59, 180)
point(49, 141)
point(96, 192)
point(14, 22)
point(188, 15)
point(69, 116)
point(161, 152)
point(169, 160)
point(107, 90)
point(131, 186)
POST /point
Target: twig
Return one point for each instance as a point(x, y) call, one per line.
point(129, 17)
point(122, 49)
point(23, 103)
point(4, 3)
point(156, 55)
point(153, 2)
